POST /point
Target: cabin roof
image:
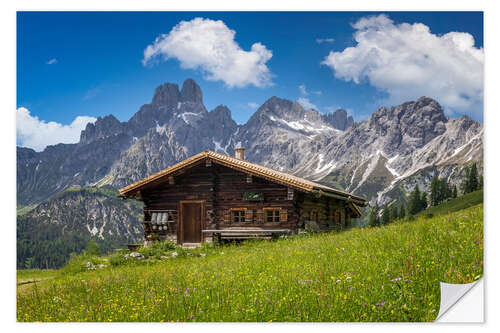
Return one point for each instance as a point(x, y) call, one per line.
point(244, 166)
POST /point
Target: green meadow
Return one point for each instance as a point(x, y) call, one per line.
point(388, 273)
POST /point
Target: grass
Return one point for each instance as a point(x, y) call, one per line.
point(389, 273)
point(23, 210)
point(456, 204)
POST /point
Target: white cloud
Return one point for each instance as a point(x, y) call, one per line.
point(253, 105)
point(210, 46)
point(408, 61)
point(52, 61)
point(38, 134)
point(324, 40)
point(303, 90)
point(306, 103)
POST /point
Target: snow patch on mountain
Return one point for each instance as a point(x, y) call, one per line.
point(92, 231)
point(389, 163)
point(185, 116)
point(304, 125)
point(219, 148)
point(370, 168)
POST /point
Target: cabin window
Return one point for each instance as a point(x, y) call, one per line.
point(238, 216)
point(272, 215)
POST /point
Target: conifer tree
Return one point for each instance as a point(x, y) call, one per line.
point(386, 215)
point(423, 202)
point(415, 201)
point(435, 191)
point(402, 211)
point(465, 185)
point(394, 212)
point(474, 179)
point(454, 191)
point(471, 180)
point(373, 219)
point(92, 248)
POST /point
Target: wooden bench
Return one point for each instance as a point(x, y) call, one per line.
point(241, 234)
point(133, 247)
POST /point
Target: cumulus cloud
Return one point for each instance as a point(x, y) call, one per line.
point(408, 61)
point(306, 103)
point(210, 46)
point(38, 134)
point(303, 90)
point(324, 40)
point(52, 61)
point(253, 105)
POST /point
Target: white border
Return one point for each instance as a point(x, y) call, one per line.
point(8, 101)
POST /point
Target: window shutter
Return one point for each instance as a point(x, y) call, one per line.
point(283, 215)
point(248, 215)
point(259, 216)
point(227, 216)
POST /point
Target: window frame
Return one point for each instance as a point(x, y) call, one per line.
point(240, 217)
point(275, 214)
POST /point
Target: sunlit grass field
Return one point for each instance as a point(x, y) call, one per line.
point(389, 273)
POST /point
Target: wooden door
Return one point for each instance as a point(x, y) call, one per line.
point(192, 215)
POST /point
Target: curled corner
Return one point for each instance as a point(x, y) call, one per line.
point(451, 294)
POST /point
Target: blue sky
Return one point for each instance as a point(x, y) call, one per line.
point(92, 64)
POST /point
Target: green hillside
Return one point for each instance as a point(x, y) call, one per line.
point(389, 273)
point(48, 233)
point(456, 204)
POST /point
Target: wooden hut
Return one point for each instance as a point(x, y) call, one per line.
point(214, 195)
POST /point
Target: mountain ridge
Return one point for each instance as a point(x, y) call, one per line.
point(280, 134)
point(381, 158)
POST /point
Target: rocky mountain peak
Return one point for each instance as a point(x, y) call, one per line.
point(103, 127)
point(423, 118)
point(339, 119)
point(412, 123)
point(221, 112)
point(166, 95)
point(282, 108)
point(275, 103)
point(191, 92)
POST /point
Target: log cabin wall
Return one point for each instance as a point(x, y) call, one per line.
point(194, 184)
point(223, 190)
point(326, 213)
point(231, 188)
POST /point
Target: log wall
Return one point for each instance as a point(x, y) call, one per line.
point(222, 190)
point(326, 213)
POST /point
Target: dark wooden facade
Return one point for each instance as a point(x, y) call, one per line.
point(208, 195)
